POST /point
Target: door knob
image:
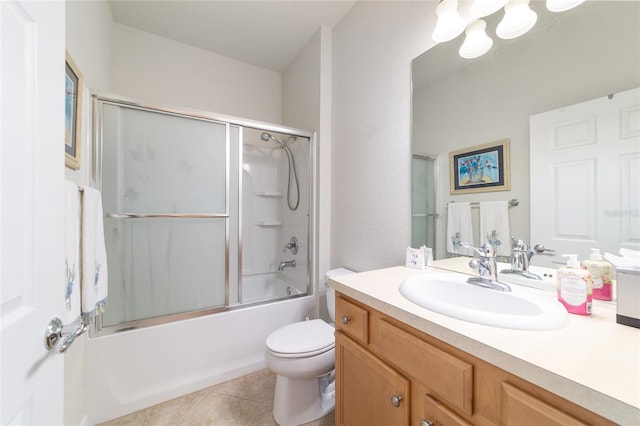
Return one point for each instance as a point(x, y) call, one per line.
point(346, 319)
point(60, 336)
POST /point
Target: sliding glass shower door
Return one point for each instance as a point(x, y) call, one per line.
point(165, 186)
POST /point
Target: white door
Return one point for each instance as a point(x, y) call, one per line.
point(585, 176)
point(31, 203)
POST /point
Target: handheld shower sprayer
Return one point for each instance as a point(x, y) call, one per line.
point(266, 136)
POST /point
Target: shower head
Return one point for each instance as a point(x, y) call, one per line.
point(266, 136)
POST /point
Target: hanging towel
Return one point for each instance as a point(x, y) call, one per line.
point(459, 228)
point(494, 226)
point(94, 255)
point(72, 251)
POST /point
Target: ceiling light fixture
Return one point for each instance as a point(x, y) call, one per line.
point(476, 42)
point(482, 8)
point(562, 5)
point(454, 17)
point(450, 24)
point(518, 19)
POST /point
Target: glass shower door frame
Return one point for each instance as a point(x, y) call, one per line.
point(98, 104)
point(432, 214)
point(95, 178)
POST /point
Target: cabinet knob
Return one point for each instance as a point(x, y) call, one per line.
point(424, 422)
point(346, 319)
point(395, 400)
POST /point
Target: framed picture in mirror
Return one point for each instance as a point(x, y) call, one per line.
point(72, 113)
point(482, 168)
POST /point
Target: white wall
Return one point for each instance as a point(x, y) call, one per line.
point(88, 41)
point(306, 104)
point(155, 68)
point(371, 142)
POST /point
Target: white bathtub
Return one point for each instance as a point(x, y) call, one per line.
point(256, 288)
point(132, 370)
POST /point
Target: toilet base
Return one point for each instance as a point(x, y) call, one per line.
point(299, 401)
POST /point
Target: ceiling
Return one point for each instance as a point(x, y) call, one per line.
point(264, 33)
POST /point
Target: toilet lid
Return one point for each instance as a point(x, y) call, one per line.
point(302, 338)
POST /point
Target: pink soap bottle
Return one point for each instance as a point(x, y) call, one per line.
point(601, 275)
point(575, 287)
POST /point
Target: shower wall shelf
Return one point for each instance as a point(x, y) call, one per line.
point(269, 223)
point(268, 194)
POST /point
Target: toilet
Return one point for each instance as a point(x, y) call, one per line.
point(302, 355)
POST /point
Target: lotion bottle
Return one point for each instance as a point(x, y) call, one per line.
point(575, 287)
point(601, 274)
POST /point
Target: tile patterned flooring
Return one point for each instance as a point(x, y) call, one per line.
point(246, 401)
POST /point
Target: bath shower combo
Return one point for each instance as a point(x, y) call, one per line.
point(195, 225)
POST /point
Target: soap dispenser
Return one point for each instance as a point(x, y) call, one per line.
point(601, 275)
point(575, 287)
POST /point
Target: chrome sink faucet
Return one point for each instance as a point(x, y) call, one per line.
point(520, 257)
point(287, 264)
point(487, 268)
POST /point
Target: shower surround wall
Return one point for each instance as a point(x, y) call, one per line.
point(138, 368)
point(267, 222)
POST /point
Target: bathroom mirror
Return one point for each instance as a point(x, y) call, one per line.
point(567, 58)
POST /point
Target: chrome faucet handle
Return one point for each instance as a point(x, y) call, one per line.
point(518, 245)
point(485, 251)
point(291, 245)
point(520, 257)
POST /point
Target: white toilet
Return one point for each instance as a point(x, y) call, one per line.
point(302, 355)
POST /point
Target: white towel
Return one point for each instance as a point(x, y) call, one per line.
point(72, 251)
point(459, 228)
point(494, 226)
point(94, 255)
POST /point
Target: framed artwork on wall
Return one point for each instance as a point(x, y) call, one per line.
point(482, 168)
point(73, 113)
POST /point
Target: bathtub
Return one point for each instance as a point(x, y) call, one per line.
point(258, 288)
point(133, 370)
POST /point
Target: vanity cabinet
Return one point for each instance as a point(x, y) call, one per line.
point(388, 373)
point(371, 392)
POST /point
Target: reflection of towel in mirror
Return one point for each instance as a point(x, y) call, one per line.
point(72, 251)
point(494, 226)
point(459, 228)
point(94, 255)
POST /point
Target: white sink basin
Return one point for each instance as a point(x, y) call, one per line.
point(451, 295)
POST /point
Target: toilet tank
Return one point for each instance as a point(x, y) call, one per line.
point(331, 293)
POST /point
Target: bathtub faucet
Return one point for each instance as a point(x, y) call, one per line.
point(287, 263)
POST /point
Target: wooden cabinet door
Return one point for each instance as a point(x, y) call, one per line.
point(368, 392)
point(521, 409)
point(439, 415)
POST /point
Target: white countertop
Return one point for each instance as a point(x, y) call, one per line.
point(593, 361)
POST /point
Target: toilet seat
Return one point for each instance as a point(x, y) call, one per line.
point(301, 339)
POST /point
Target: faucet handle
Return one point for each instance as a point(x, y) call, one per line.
point(518, 245)
point(291, 245)
point(486, 250)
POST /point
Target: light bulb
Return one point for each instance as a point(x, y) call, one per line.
point(518, 19)
point(450, 24)
point(476, 42)
point(562, 5)
point(481, 8)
